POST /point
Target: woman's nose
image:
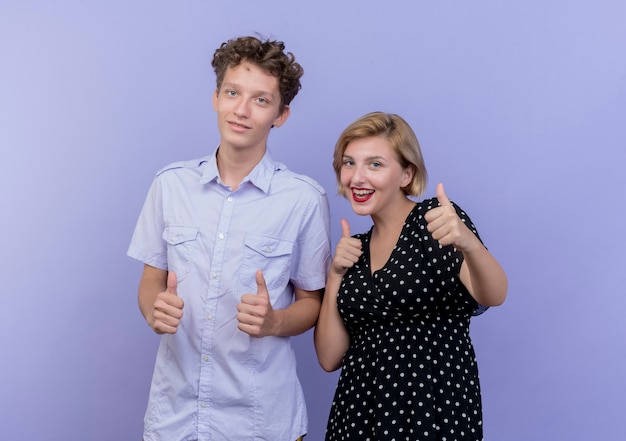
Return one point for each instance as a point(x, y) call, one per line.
point(357, 175)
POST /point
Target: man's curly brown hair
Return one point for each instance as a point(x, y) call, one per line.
point(269, 55)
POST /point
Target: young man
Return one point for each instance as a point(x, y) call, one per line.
point(236, 249)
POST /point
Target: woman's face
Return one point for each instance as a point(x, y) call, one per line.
point(372, 176)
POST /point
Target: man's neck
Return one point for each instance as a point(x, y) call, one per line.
point(235, 165)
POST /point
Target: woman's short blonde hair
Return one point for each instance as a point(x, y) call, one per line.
point(402, 141)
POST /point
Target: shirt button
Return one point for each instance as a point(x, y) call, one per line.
point(229, 199)
point(203, 405)
point(209, 317)
point(267, 249)
point(221, 236)
point(205, 358)
point(214, 276)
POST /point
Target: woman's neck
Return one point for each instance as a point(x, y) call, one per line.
point(391, 220)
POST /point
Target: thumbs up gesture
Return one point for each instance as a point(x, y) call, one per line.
point(255, 313)
point(446, 227)
point(348, 251)
point(168, 308)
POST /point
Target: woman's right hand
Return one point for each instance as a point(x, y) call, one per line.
point(348, 251)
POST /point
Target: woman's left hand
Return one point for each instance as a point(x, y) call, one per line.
point(446, 227)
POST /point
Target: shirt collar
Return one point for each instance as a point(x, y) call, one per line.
point(260, 176)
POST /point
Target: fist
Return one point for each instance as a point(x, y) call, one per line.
point(255, 312)
point(168, 308)
point(446, 227)
point(348, 251)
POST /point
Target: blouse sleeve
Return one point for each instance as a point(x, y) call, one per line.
point(479, 309)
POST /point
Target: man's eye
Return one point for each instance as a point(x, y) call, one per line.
point(231, 93)
point(376, 164)
point(262, 100)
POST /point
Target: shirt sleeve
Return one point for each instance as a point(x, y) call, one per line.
point(147, 244)
point(311, 259)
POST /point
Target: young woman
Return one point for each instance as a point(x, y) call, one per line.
point(399, 298)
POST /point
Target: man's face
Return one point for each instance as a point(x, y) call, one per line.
point(247, 106)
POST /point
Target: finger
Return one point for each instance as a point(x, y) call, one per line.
point(345, 228)
point(261, 286)
point(172, 283)
point(442, 197)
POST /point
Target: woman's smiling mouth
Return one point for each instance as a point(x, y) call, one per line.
point(361, 194)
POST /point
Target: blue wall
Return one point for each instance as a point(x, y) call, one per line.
point(520, 108)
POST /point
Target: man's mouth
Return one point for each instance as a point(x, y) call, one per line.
point(237, 126)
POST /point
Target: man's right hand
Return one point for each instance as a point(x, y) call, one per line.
point(168, 308)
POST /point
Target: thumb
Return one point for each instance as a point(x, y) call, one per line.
point(172, 283)
point(261, 286)
point(345, 228)
point(442, 197)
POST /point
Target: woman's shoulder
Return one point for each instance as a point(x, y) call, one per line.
point(427, 204)
point(365, 236)
point(421, 208)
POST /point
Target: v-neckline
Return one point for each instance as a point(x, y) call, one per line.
point(368, 249)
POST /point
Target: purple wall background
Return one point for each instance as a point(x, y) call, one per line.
point(520, 110)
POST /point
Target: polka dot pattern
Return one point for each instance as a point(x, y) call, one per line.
point(410, 372)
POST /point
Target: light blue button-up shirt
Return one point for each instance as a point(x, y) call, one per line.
point(212, 381)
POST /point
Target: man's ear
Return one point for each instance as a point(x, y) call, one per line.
point(280, 119)
point(215, 99)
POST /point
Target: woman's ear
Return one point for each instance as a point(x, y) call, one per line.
point(408, 174)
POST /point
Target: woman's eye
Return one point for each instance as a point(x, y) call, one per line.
point(348, 162)
point(376, 164)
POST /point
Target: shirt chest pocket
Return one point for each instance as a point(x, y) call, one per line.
point(181, 243)
point(269, 254)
